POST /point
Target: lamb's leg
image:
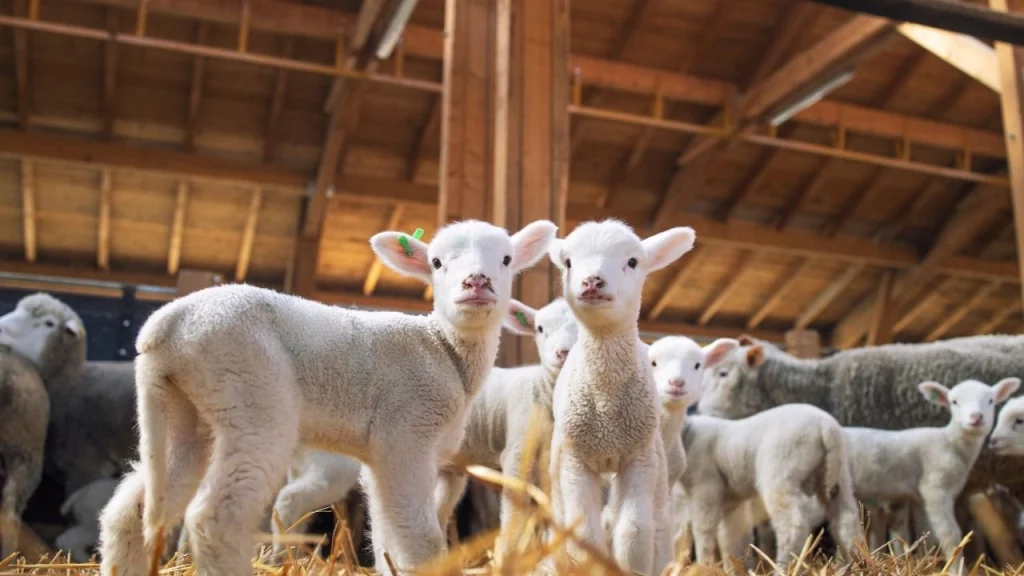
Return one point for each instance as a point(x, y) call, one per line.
point(844, 520)
point(403, 516)
point(316, 488)
point(683, 536)
point(791, 528)
point(580, 498)
point(706, 512)
point(663, 551)
point(634, 529)
point(10, 520)
point(732, 532)
point(899, 522)
point(451, 484)
point(939, 507)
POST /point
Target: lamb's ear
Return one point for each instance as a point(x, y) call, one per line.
point(530, 243)
point(666, 247)
point(391, 250)
point(745, 340)
point(519, 319)
point(755, 356)
point(74, 329)
point(1005, 388)
point(555, 253)
point(935, 393)
point(715, 352)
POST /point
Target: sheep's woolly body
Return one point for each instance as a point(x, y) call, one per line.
point(784, 457)
point(83, 508)
point(92, 404)
point(24, 413)
point(873, 387)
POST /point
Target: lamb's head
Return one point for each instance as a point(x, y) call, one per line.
point(46, 331)
point(972, 403)
point(1008, 435)
point(470, 264)
point(679, 364)
point(731, 390)
point(603, 268)
point(553, 327)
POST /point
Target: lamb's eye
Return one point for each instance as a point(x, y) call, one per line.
point(540, 329)
point(437, 263)
point(991, 401)
point(568, 263)
point(632, 263)
point(507, 260)
point(49, 323)
point(697, 366)
point(723, 373)
point(954, 403)
point(653, 363)
point(1018, 422)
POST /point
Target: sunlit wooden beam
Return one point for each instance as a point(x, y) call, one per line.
point(103, 225)
point(950, 320)
point(28, 209)
point(252, 220)
point(789, 280)
point(177, 229)
point(965, 53)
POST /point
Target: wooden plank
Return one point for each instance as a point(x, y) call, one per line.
point(965, 53)
point(951, 320)
point(369, 12)
point(110, 65)
point(28, 209)
point(427, 134)
point(999, 318)
point(1011, 61)
point(252, 219)
point(500, 113)
point(880, 331)
point(907, 70)
point(793, 275)
point(726, 288)
point(755, 178)
point(858, 199)
point(922, 304)
point(22, 79)
point(271, 134)
point(103, 225)
point(373, 274)
point(827, 296)
point(808, 190)
point(792, 26)
point(177, 229)
point(195, 95)
point(686, 270)
point(625, 77)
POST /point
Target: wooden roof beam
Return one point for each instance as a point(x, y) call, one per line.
point(103, 222)
point(725, 289)
point(271, 134)
point(195, 95)
point(177, 229)
point(252, 219)
point(369, 12)
point(789, 279)
point(755, 177)
point(965, 53)
point(880, 330)
point(951, 320)
point(110, 64)
point(827, 296)
point(922, 304)
point(686, 269)
point(816, 182)
point(999, 318)
point(28, 209)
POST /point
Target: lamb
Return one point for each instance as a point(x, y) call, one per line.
point(24, 414)
point(92, 404)
point(502, 415)
point(83, 508)
point(772, 463)
point(928, 465)
point(1007, 437)
point(873, 387)
point(232, 379)
point(605, 405)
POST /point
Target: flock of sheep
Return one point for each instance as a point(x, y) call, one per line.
point(240, 390)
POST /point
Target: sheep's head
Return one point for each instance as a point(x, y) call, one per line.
point(470, 264)
point(1008, 435)
point(553, 327)
point(972, 403)
point(40, 328)
point(603, 268)
point(731, 389)
point(679, 365)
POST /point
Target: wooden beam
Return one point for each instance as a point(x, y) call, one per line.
point(195, 95)
point(1011, 62)
point(686, 270)
point(827, 296)
point(28, 209)
point(373, 274)
point(248, 235)
point(177, 229)
point(110, 65)
point(755, 177)
point(808, 190)
point(103, 225)
point(999, 318)
point(858, 199)
point(792, 26)
point(950, 320)
point(271, 134)
point(22, 79)
point(726, 288)
point(635, 79)
point(963, 17)
point(428, 133)
point(922, 304)
point(369, 11)
point(880, 331)
point(792, 276)
point(965, 53)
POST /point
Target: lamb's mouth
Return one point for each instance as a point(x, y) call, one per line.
point(477, 301)
point(595, 299)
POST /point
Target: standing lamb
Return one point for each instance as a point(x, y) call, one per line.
point(501, 415)
point(778, 458)
point(24, 413)
point(606, 413)
point(873, 387)
point(232, 379)
point(92, 404)
point(83, 508)
point(928, 466)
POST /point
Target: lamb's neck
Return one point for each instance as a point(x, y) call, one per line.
point(672, 422)
point(785, 379)
point(608, 348)
point(476, 349)
point(966, 446)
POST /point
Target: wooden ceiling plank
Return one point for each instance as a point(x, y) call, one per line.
point(687, 268)
point(195, 95)
point(110, 69)
point(965, 53)
point(373, 274)
point(726, 288)
point(808, 190)
point(103, 222)
point(826, 296)
point(880, 331)
point(999, 318)
point(792, 26)
point(914, 312)
point(755, 178)
point(177, 229)
point(252, 220)
point(427, 134)
point(28, 209)
point(854, 204)
point(950, 97)
point(789, 280)
point(906, 71)
point(271, 134)
point(22, 79)
point(951, 320)
point(369, 12)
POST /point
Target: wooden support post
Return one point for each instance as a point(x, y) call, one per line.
point(28, 209)
point(177, 229)
point(103, 226)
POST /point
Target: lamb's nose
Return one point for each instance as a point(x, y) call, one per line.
point(593, 283)
point(476, 281)
point(677, 383)
point(976, 419)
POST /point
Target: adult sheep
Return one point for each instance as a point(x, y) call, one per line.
point(874, 387)
point(232, 379)
point(24, 412)
point(92, 404)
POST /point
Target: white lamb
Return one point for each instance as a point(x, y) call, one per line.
point(232, 379)
point(606, 412)
point(772, 464)
point(83, 508)
point(1007, 437)
point(501, 415)
point(928, 466)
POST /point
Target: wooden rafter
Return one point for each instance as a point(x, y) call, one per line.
point(270, 135)
point(428, 133)
point(778, 294)
point(906, 71)
point(103, 222)
point(110, 65)
point(857, 200)
point(880, 330)
point(373, 274)
point(252, 219)
point(793, 25)
point(195, 95)
point(726, 288)
point(28, 209)
point(999, 318)
point(827, 296)
point(808, 190)
point(754, 179)
point(22, 79)
point(955, 316)
point(369, 11)
point(686, 270)
point(965, 53)
point(177, 229)
point(950, 97)
point(914, 312)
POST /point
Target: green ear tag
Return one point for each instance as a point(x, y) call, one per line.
point(934, 395)
point(404, 241)
point(522, 319)
point(418, 233)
